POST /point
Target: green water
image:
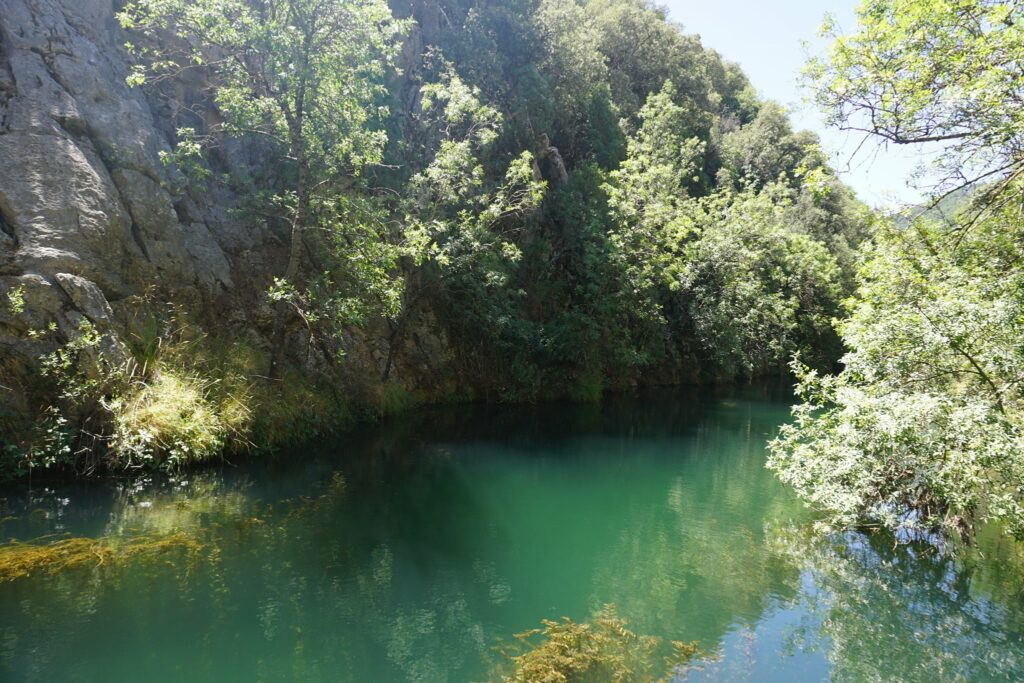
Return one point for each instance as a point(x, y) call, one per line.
point(409, 551)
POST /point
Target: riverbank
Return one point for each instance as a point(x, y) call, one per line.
point(182, 422)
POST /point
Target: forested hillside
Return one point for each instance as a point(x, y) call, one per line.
point(337, 208)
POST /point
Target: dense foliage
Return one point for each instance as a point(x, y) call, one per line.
point(306, 78)
point(582, 195)
point(922, 430)
point(655, 156)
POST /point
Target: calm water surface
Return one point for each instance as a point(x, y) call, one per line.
point(412, 550)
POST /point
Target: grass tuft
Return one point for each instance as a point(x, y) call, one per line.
point(176, 417)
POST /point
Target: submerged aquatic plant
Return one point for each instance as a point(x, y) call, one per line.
point(600, 651)
point(20, 560)
point(170, 527)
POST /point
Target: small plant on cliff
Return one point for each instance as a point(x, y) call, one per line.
point(174, 417)
point(16, 300)
point(116, 409)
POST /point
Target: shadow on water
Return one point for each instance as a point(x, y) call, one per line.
point(408, 550)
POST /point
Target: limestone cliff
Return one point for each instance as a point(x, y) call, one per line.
point(91, 219)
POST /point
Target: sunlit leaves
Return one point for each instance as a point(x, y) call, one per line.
point(648, 194)
point(931, 70)
point(922, 430)
point(307, 77)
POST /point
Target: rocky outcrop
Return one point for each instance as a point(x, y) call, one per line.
point(89, 215)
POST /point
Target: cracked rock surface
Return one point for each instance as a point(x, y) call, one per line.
point(90, 217)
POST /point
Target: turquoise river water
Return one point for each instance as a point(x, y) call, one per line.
point(415, 549)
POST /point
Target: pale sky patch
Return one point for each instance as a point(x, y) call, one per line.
point(771, 40)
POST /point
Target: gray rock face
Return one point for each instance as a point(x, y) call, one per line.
point(82, 189)
point(89, 215)
point(85, 296)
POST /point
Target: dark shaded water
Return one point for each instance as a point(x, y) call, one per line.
point(408, 551)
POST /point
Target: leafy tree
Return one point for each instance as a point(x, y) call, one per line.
point(497, 47)
point(943, 71)
point(585, 120)
point(736, 275)
point(571, 58)
point(756, 289)
point(466, 221)
point(306, 76)
point(737, 97)
point(648, 195)
point(643, 50)
point(922, 431)
point(767, 150)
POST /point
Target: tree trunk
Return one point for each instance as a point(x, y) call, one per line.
point(296, 246)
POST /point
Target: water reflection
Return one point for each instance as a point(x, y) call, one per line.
point(696, 559)
point(879, 610)
point(407, 552)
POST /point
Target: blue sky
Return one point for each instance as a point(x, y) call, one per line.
point(766, 37)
